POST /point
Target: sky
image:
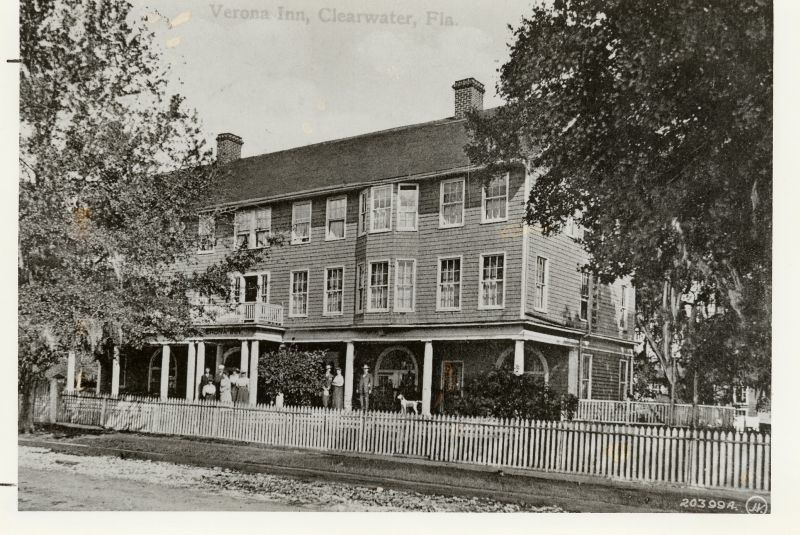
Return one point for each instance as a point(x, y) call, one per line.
point(287, 74)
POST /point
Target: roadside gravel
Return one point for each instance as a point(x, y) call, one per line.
point(325, 496)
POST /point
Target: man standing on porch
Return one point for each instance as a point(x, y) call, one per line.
point(326, 386)
point(365, 388)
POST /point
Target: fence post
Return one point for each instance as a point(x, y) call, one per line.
point(53, 401)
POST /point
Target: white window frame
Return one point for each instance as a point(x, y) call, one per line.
point(251, 214)
point(623, 308)
point(589, 380)
point(484, 198)
point(295, 240)
point(463, 182)
point(413, 261)
point(481, 305)
point(325, 311)
point(439, 260)
point(584, 298)
point(291, 292)
point(372, 218)
point(328, 236)
point(545, 283)
point(260, 285)
point(256, 228)
point(361, 284)
point(623, 386)
point(363, 212)
point(400, 208)
point(212, 233)
point(237, 217)
point(369, 308)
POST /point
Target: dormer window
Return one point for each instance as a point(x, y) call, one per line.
point(252, 228)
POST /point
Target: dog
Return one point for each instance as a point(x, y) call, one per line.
point(407, 404)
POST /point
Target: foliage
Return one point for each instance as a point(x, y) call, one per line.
point(299, 375)
point(502, 394)
point(113, 169)
point(651, 124)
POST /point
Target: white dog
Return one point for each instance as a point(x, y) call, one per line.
point(407, 404)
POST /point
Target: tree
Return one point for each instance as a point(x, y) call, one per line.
point(299, 375)
point(650, 124)
point(113, 169)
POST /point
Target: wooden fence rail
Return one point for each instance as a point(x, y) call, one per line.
point(700, 458)
point(648, 412)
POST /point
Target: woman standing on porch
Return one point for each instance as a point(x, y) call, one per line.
point(243, 390)
point(338, 389)
point(225, 389)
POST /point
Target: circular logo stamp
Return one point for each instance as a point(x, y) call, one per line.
point(756, 505)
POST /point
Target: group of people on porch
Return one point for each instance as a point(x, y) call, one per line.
point(226, 386)
point(333, 387)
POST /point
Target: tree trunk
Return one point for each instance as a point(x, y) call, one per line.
point(25, 423)
point(666, 329)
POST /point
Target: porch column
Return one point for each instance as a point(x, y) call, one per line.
point(220, 356)
point(99, 377)
point(164, 371)
point(245, 356)
point(427, 375)
point(253, 388)
point(71, 372)
point(519, 357)
point(349, 360)
point(115, 373)
point(200, 368)
point(572, 372)
point(191, 360)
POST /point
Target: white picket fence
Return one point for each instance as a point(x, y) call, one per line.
point(709, 459)
point(649, 412)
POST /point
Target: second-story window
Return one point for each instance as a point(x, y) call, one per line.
point(301, 222)
point(381, 213)
point(335, 218)
point(378, 286)
point(623, 307)
point(492, 280)
point(361, 287)
point(298, 298)
point(540, 296)
point(242, 224)
point(584, 296)
point(451, 203)
point(404, 285)
point(263, 226)
point(495, 199)
point(252, 228)
point(449, 287)
point(407, 201)
point(206, 233)
point(334, 290)
point(363, 211)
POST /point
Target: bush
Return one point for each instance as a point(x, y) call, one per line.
point(501, 394)
point(298, 374)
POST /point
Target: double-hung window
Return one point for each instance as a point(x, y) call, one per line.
point(378, 289)
point(404, 275)
point(451, 203)
point(407, 206)
point(381, 213)
point(363, 211)
point(623, 378)
point(252, 228)
point(495, 200)
point(623, 308)
point(586, 377)
point(263, 288)
point(205, 233)
point(492, 288)
point(584, 313)
point(298, 297)
point(334, 291)
point(448, 294)
point(540, 295)
point(241, 224)
point(301, 222)
point(361, 287)
point(263, 226)
point(335, 218)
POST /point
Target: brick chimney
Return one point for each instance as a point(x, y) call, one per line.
point(468, 96)
point(229, 148)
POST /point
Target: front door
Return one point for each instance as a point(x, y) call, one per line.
point(251, 289)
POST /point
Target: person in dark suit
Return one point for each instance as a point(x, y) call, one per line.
point(204, 380)
point(365, 388)
point(218, 379)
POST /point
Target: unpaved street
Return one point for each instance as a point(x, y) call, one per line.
point(56, 481)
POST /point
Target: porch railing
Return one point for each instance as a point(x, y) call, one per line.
point(261, 313)
point(648, 412)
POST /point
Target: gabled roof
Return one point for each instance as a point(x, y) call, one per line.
point(420, 149)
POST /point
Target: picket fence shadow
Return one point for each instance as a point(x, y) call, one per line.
point(697, 458)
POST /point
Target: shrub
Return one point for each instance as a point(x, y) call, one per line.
point(501, 394)
point(298, 374)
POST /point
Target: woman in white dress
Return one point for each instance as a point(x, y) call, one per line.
point(225, 389)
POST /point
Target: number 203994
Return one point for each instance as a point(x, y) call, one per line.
point(702, 503)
